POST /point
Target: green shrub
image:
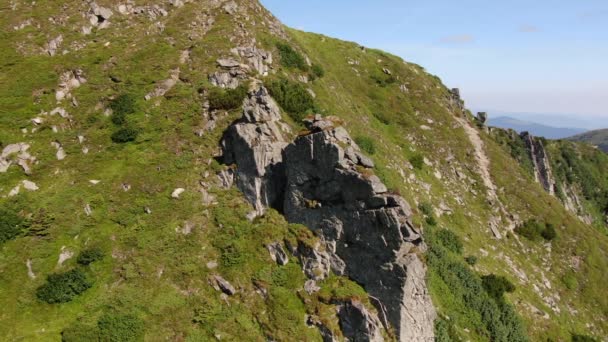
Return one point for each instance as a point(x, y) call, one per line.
point(89, 256)
point(549, 232)
point(496, 286)
point(63, 287)
point(11, 225)
point(471, 260)
point(426, 208)
point(290, 58)
point(317, 71)
point(120, 328)
point(450, 240)
point(123, 104)
point(417, 161)
point(124, 135)
point(292, 97)
point(227, 99)
point(119, 119)
point(534, 230)
point(366, 144)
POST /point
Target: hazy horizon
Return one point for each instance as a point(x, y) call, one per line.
point(515, 57)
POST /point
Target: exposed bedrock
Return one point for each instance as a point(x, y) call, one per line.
point(542, 166)
point(323, 181)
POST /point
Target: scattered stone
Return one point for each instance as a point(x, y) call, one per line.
point(212, 265)
point(53, 45)
point(98, 16)
point(386, 71)
point(258, 59)
point(226, 178)
point(94, 181)
point(30, 271)
point(65, 255)
point(60, 151)
point(177, 192)
point(31, 186)
point(87, 210)
point(310, 286)
point(224, 285)
point(230, 7)
point(164, 86)
point(15, 191)
point(22, 158)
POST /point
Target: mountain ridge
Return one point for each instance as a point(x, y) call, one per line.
point(114, 180)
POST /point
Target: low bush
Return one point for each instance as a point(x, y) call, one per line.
point(471, 260)
point(89, 256)
point(227, 99)
point(534, 230)
point(417, 161)
point(11, 225)
point(292, 97)
point(63, 287)
point(317, 71)
point(120, 328)
point(124, 135)
point(123, 104)
point(496, 286)
point(549, 232)
point(450, 240)
point(290, 58)
point(366, 144)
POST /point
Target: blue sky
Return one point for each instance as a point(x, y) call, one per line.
point(506, 56)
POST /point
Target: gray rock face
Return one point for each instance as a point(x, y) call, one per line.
point(542, 167)
point(358, 324)
point(363, 225)
point(319, 181)
point(255, 144)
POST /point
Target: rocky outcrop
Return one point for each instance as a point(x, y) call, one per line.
point(540, 160)
point(358, 324)
point(323, 181)
point(331, 189)
point(254, 144)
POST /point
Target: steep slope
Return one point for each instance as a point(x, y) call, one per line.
point(597, 138)
point(116, 179)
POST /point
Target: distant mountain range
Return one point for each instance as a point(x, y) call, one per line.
point(534, 128)
point(598, 138)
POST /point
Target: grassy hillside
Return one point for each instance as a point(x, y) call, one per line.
point(597, 138)
point(159, 253)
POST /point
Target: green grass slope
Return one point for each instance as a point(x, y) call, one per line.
point(159, 252)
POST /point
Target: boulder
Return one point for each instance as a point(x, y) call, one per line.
point(224, 286)
point(277, 253)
